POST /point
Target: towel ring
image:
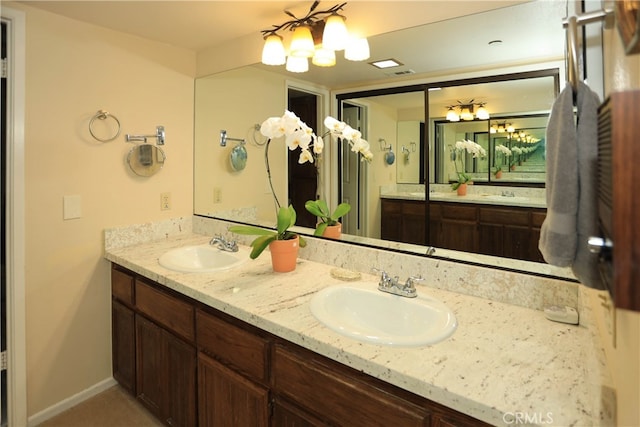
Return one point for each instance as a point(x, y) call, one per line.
point(103, 115)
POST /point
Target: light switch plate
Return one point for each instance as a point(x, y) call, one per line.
point(71, 207)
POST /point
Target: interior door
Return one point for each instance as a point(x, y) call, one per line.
point(352, 181)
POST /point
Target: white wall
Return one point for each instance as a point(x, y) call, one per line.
point(73, 70)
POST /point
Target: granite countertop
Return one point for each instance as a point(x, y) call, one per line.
point(479, 198)
point(503, 359)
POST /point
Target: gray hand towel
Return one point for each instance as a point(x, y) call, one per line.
point(558, 233)
point(585, 264)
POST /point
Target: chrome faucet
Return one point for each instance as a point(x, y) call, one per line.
point(224, 244)
point(391, 285)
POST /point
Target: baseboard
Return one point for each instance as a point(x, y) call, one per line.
point(70, 402)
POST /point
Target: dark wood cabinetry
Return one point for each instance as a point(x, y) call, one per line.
point(505, 231)
point(193, 365)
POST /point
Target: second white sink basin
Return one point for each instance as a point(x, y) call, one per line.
point(376, 317)
point(201, 259)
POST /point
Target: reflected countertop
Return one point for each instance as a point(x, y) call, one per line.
point(478, 197)
point(491, 367)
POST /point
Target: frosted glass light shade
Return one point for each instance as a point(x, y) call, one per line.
point(466, 114)
point(324, 57)
point(297, 64)
point(273, 52)
point(335, 33)
point(302, 42)
point(357, 49)
point(452, 116)
point(482, 113)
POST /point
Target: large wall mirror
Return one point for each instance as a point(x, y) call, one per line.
point(403, 115)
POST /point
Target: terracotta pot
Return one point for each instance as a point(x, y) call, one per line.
point(284, 254)
point(462, 190)
point(499, 174)
point(513, 167)
point(333, 231)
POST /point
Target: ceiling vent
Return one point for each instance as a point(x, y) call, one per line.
point(399, 73)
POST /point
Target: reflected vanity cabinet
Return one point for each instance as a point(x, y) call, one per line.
point(505, 231)
point(192, 365)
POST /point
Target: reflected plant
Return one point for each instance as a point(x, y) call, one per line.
point(472, 148)
point(501, 150)
point(298, 135)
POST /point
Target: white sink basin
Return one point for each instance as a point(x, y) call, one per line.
point(376, 317)
point(202, 259)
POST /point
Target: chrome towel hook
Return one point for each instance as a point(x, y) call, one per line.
point(159, 136)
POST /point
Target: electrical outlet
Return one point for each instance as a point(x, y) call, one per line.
point(165, 201)
point(217, 195)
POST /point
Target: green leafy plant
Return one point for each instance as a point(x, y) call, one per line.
point(286, 220)
point(320, 209)
point(463, 178)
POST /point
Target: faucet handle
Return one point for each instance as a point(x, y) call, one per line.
point(412, 280)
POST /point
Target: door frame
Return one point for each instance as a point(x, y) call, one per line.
point(15, 218)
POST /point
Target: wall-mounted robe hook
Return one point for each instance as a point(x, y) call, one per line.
point(224, 138)
point(159, 136)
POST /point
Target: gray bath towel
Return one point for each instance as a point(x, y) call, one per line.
point(558, 234)
point(572, 185)
point(585, 265)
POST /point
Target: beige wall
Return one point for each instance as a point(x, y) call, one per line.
point(622, 73)
point(235, 101)
point(74, 69)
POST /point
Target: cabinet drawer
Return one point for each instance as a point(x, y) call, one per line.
point(435, 211)
point(122, 286)
point(505, 216)
point(413, 208)
point(451, 211)
point(173, 313)
point(537, 218)
point(243, 350)
point(391, 206)
point(332, 393)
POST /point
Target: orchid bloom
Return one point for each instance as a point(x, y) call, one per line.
point(298, 135)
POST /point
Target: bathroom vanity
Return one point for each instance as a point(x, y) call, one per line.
point(488, 224)
point(196, 348)
point(191, 364)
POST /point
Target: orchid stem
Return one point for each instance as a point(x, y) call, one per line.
point(266, 162)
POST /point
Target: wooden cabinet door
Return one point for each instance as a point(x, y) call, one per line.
point(459, 235)
point(151, 381)
point(123, 346)
point(391, 220)
point(288, 415)
point(227, 399)
point(166, 374)
point(181, 365)
point(414, 222)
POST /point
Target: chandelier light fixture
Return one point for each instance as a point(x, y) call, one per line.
point(503, 127)
point(465, 111)
point(317, 35)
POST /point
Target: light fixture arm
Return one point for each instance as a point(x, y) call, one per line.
point(309, 18)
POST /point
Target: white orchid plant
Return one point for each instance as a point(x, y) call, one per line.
point(472, 148)
point(501, 150)
point(298, 135)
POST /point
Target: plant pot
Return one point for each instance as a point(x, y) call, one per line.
point(498, 174)
point(284, 254)
point(513, 167)
point(333, 231)
point(462, 190)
